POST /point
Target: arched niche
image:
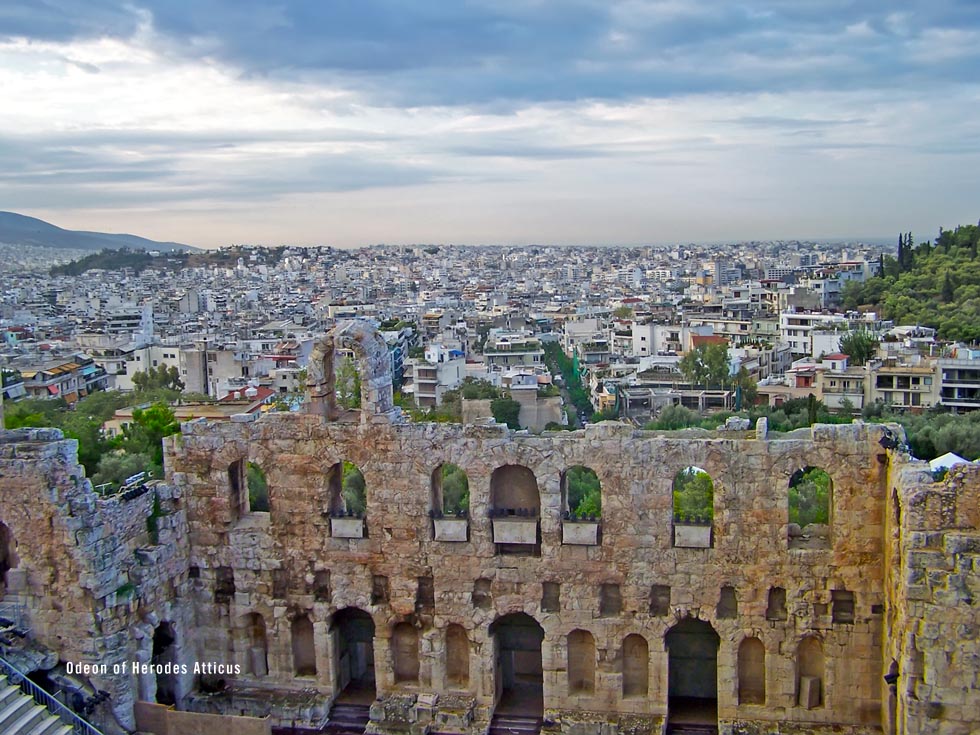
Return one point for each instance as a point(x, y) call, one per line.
point(257, 652)
point(405, 653)
point(636, 666)
point(751, 672)
point(303, 644)
point(581, 662)
point(810, 673)
point(457, 656)
point(514, 492)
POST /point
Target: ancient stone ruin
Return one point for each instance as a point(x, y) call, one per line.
point(633, 624)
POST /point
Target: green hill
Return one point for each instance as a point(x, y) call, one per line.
point(933, 285)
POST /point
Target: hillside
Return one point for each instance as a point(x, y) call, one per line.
point(18, 229)
point(933, 285)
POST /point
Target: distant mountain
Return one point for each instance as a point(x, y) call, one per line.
point(17, 229)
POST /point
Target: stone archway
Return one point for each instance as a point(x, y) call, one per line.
point(352, 630)
point(518, 670)
point(8, 559)
point(165, 659)
point(692, 673)
point(374, 364)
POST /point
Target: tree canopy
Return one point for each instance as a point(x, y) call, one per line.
point(694, 495)
point(162, 376)
point(583, 494)
point(934, 284)
point(706, 365)
point(859, 346)
point(809, 497)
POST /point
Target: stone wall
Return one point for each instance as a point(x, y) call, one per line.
point(933, 642)
point(274, 559)
point(93, 582)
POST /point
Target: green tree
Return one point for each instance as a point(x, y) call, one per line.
point(706, 365)
point(622, 312)
point(116, 467)
point(158, 377)
point(948, 291)
point(34, 412)
point(674, 417)
point(583, 494)
point(860, 346)
point(750, 389)
point(347, 383)
point(145, 434)
point(455, 490)
point(694, 494)
point(258, 488)
point(809, 497)
point(506, 411)
point(353, 490)
point(606, 414)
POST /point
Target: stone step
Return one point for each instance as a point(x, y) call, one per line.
point(347, 719)
point(514, 724)
point(21, 715)
point(691, 729)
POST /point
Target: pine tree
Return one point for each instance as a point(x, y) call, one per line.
point(947, 294)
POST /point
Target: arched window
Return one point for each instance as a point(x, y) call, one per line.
point(248, 491)
point(348, 492)
point(694, 499)
point(258, 489)
point(514, 492)
point(751, 672)
point(347, 380)
point(450, 491)
point(581, 662)
point(457, 656)
point(304, 650)
point(515, 507)
point(405, 653)
point(581, 493)
point(165, 656)
point(636, 666)
point(810, 506)
point(809, 673)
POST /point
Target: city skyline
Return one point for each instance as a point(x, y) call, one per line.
point(512, 123)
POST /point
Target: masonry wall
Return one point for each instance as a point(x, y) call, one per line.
point(96, 582)
point(93, 582)
point(274, 558)
point(933, 642)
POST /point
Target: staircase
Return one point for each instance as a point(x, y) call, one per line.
point(691, 729)
point(513, 724)
point(347, 719)
point(21, 715)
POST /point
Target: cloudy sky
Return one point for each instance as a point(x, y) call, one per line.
point(351, 122)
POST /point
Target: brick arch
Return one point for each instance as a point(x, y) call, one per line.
point(374, 363)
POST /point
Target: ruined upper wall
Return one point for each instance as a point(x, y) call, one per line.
point(933, 625)
point(90, 576)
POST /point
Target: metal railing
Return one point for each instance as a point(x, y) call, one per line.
point(15, 613)
point(59, 710)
